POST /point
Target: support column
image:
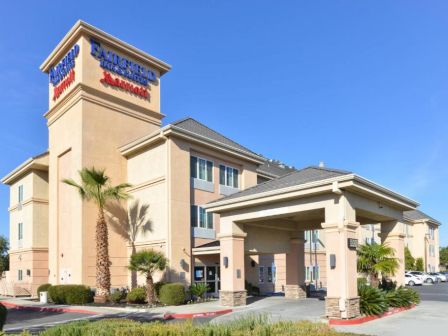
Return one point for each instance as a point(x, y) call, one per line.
point(392, 234)
point(233, 292)
point(295, 269)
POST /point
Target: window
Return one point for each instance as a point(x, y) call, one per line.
point(228, 176)
point(431, 232)
point(261, 274)
point(20, 194)
point(200, 218)
point(311, 273)
point(201, 169)
point(20, 275)
point(20, 231)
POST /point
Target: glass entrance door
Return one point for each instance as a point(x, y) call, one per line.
point(210, 276)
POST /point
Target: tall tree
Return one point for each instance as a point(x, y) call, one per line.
point(374, 259)
point(148, 262)
point(419, 264)
point(4, 256)
point(444, 257)
point(95, 186)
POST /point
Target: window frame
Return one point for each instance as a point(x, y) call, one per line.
point(19, 275)
point(20, 194)
point(197, 213)
point(261, 274)
point(20, 231)
point(226, 182)
point(196, 173)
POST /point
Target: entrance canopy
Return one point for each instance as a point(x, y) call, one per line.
point(270, 218)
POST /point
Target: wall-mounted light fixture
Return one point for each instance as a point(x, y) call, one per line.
point(252, 263)
point(225, 261)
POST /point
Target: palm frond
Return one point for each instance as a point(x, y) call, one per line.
point(81, 190)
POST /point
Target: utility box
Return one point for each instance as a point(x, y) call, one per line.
point(43, 297)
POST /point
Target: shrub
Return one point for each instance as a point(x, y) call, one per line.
point(199, 290)
point(172, 294)
point(242, 327)
point(70, 294)
point(362, 281)
point(3, 314)
point(157, 287)
point(387, 285)
point(402, 297)
point(117, 296)
point(371, 301)
point(251, 289)
point(137, 295)
point(419, 264)
point(43, 288)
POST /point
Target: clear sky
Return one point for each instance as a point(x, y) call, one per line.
point(360, 85)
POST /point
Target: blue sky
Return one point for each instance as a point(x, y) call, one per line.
point(360, 85)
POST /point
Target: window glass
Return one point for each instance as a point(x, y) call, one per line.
point(199, 273)
point(20, 275)
point(209, 171)
point(228, 176)
point(235, 178)
point(270, 274)
point(194, 215)
point(202, 169)
point(20, 231)
point(193, 166)
point(202, 217)
point(222, 175)
point(209, 220)
point(20, 193)
point(261, 274)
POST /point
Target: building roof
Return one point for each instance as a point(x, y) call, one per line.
point(38, 162)
point(294, 178)
point(416, 215)
point(273, 169)
point(193, 126)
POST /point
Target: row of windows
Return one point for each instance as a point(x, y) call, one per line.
point(311, 273)
point(200, 218)
point(202, 169)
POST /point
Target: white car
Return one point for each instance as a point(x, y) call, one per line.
point(440, 276)
point(425, 277)
point(412, 280)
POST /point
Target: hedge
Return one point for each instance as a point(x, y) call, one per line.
point(137, 295)
point(70, 294)
point(255, 326)
point(43, 288)
point(172, 294)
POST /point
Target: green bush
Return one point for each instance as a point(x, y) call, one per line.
point(43, 288)
point(387, 285)
point(402, 297)
point(251, 289)
point(242, 327)
point(371, 301)
point(117, 296)
point(361, 281)
point(3, 314)
point(198, 290)
point(70, 294)
point(137, 295)
point(172, 294)
point(157, 287)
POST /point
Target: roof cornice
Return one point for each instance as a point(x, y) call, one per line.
point(81, 28)
point(25, 167)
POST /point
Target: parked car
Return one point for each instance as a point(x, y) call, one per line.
point(412, 280)
point(424, 276)
point(440, 276)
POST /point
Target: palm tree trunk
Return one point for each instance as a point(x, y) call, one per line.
point(102, 259)
point(374, 281)
point(133, 273)
point(150, 289)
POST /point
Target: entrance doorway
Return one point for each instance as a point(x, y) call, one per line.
point(209, 275)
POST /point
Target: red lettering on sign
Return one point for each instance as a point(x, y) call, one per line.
point(58, 90)
point(122, 84)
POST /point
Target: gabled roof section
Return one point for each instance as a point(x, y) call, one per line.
point(191, 125)
point(294, 178)
point(38, 162)
point(272, 169)
point(417, 215)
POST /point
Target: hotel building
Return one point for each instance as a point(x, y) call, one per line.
point(221, 213)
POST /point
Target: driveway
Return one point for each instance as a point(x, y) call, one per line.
point(430, 316)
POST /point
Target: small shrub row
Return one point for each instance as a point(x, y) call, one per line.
point(167, 293)
point(254, 326)
point(43, 288)
point(374, 301)
point(70, 294)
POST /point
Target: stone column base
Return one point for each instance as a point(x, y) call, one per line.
point(295, 292)
point(333, 311)
point(232, 299)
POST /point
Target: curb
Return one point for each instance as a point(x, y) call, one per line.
point(364, 319)
point(168, 316)
point(47, 309)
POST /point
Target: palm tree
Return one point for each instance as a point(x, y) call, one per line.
point(95, 186)
point(374, 259)
point(147, 262)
